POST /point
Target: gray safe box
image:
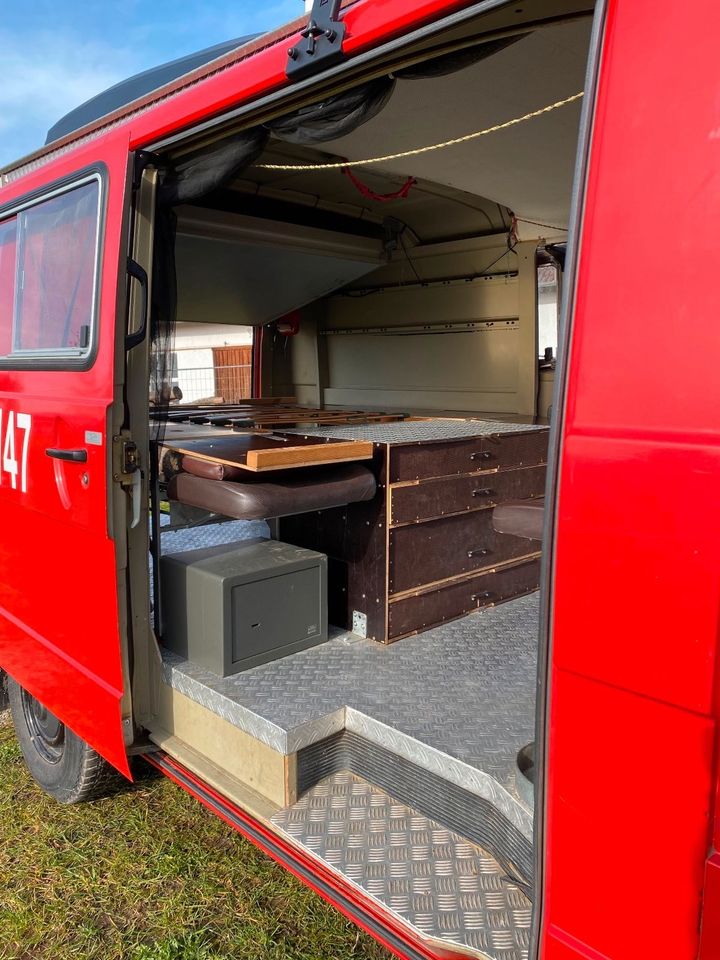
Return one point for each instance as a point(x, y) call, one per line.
point(236, 606)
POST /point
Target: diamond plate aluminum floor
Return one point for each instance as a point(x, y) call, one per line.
point(410, 431)
point(210, 534)
point(434, 880)
point(457, 700)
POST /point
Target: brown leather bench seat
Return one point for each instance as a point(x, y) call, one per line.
point(521, 518)
point(233, 492)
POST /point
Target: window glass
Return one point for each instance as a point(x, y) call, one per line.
point(55, 275)
point(548, 307)
point(7, 282)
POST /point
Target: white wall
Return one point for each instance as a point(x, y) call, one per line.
point(492, 369)
point(196, 374)
point(194, 335)
point(435, 371)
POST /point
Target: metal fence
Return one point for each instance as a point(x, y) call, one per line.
point(230, 383)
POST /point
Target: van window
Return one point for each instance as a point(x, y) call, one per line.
point(548, 310)
point(47, 296)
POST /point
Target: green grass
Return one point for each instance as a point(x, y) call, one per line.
point(148, 874)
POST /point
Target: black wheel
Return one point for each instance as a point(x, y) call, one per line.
point(61, 763)
point(3, 691)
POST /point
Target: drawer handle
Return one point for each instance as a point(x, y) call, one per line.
point(483, 492)
point(479, 552)
point(476, 597)
point(482, 455)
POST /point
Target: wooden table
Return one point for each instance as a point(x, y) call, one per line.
point(258, 452)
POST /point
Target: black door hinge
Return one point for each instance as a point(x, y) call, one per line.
point(322, 41)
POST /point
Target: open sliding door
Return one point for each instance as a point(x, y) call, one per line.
point(62, 290)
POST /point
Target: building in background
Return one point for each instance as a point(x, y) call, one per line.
point(212, 360)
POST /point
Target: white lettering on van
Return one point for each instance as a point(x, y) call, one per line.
point(10, 465)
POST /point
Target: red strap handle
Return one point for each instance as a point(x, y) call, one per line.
point(366, 191)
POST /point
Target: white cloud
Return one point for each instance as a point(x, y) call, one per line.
point(48, 73)
point(47, 76)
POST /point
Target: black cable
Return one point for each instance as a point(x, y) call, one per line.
point(421, 188)
point(510, 249)
point(407, 257)
point(536, 223)
point(417, 236)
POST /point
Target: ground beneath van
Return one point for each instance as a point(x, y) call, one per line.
point(147, 875)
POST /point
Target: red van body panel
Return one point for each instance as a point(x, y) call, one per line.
point(59, 634)
point(632, 772)
point(636, 593)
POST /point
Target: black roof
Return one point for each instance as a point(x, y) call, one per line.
point(138, 86)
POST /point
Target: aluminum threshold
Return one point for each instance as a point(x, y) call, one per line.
point(420, 890)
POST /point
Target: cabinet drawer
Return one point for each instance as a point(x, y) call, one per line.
point(448, 547)
point(425, 610)
point(515, 449)
point(443, 458)
point(420, 461)
point(436, 498)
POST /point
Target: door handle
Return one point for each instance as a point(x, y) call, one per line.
point(76, 456)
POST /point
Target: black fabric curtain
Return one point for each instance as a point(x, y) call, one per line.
point(163, 312)
point(452, 62)
point(335, 116)
point(199, 173)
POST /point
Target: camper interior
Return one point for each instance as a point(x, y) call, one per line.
point(345, 553)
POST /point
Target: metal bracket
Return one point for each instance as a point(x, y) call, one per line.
point(125, 460)
point(322, 46)
point(126, 472)
point(141, 161)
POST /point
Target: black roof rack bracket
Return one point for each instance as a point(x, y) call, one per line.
point(322, 41)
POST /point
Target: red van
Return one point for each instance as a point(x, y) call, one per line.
point(421, 595)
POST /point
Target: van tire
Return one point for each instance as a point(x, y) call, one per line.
point(59, 761)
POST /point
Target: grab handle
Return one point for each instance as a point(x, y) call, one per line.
point(76, 456)
point(140, 274)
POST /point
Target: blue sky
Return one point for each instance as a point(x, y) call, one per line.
point(55, 54)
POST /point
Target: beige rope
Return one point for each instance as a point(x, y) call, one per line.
point(417, 150)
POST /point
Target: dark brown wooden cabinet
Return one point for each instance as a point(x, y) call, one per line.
point(424, 550)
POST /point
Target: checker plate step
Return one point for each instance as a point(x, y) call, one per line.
point(442, 885)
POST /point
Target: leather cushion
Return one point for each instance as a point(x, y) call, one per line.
point(280, 495)
point(212, 471)
point(521, 518)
